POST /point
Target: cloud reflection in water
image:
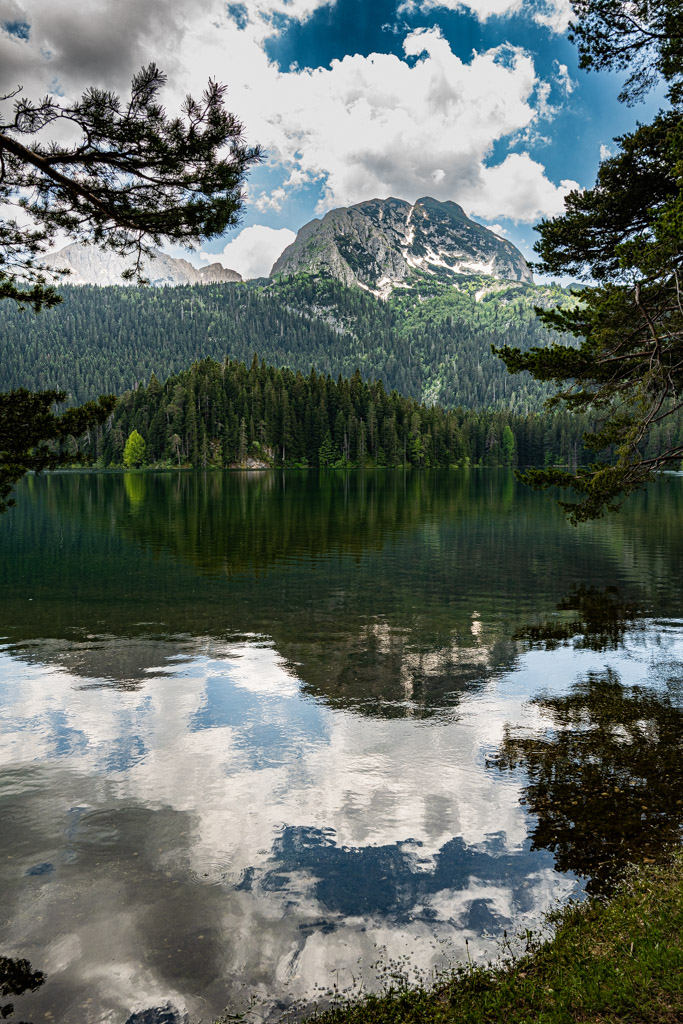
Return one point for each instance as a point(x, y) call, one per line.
point(215, 833)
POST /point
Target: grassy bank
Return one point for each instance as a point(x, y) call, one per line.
point(611, 961)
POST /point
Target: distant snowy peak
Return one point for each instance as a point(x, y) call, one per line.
point(90, 265)
point(376, 245)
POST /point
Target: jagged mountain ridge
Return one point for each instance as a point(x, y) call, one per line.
point(380, 244)
point(88, 264)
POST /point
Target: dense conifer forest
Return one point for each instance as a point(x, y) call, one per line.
point(430, 341)
point(445, 398)
point(227, 414)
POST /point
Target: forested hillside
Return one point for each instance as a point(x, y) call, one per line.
point(431, 341)
point(225, 414)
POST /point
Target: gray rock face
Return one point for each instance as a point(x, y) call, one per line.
point(90, 265)
point(378, 243)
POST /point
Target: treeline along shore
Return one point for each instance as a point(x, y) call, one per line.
point(226, 414)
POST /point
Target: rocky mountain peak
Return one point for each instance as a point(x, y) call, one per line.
point(89, 264)
point(377, 244)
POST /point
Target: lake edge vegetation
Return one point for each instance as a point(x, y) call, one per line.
point(223, 415)
point(227, 415)
point(613, 960)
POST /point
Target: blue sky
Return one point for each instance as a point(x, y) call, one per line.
point(481, 102)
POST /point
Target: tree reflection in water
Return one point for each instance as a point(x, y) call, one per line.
point(16, 978)
point(592, 618)
point(605, 781)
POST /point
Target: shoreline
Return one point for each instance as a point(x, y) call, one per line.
point(614, 961)
point(408, 467)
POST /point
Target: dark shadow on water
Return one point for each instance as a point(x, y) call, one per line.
point(17, 977)
point(589, 617)
point(605, 780)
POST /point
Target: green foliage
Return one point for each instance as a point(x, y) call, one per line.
point(132, 176)
point(625, 234)
point(33, 438)
point(431, 341)
point(328, 453)
point(508, 445)
point(616, 962)
point(134, 451)
point(638, 36)
point(218, 415)
point(611, 230)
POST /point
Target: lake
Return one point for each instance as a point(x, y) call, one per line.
point(267, 735)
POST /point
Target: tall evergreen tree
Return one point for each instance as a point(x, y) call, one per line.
point(132, 178)
point(626, 234)
point(134, 451)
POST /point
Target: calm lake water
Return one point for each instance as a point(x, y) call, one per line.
point(264, 734)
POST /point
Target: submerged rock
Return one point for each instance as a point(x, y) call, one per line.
point(159, 1015)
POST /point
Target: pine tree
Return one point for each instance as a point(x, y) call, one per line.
point(508, 445)
point(625, 236)
point(328, 452)
point(132, 178)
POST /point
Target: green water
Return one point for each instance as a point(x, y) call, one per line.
point(260, 731)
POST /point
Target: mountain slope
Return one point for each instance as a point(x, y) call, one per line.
point(377, 245)
point(431, 341)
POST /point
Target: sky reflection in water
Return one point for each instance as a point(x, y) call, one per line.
point(247, 724)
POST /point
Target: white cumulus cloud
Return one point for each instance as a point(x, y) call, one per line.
point(424, 125)
point(498, 229)
point(270, 200)
point(554, 15)
point(253, 251)
point(67, 47)
point(564, 80)
point(519, 189)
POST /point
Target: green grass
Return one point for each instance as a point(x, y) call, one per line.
point(618, 961)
